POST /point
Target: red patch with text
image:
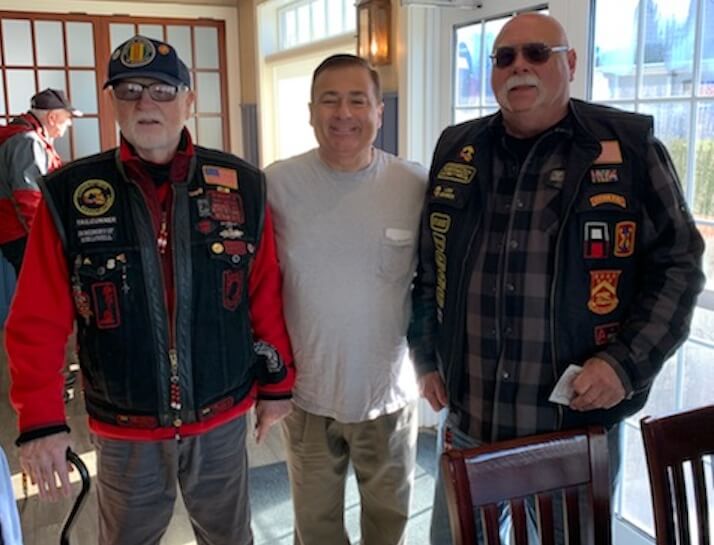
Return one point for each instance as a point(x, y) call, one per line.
point(106, 305)
point(226, 207)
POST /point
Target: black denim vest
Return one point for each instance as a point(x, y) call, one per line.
point(141, 367)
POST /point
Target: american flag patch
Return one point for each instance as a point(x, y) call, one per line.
point(610, 154)
point(226, 177)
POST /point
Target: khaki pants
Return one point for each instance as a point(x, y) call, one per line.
point(382, 453)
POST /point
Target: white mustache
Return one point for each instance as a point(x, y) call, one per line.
point(518, 80)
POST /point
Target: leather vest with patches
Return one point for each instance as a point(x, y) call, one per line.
point(142, 367)
point(596, 266)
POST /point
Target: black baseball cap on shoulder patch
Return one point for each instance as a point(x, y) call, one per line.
point(142, 57)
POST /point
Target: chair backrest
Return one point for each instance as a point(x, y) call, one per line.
point(477, 480)
point(671, 442)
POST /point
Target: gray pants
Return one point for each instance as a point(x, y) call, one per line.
point(136, 487)
point(382, 452)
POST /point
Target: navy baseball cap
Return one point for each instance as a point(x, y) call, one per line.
point(142, 57)
point(53, 99)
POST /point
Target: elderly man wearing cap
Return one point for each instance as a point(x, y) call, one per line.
point(27, 153)
point(163, 253)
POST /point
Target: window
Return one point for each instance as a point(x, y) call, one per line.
point(52, 52)
point(657, 57)
point(58, 51)
point(294, 38)
point(309, 21)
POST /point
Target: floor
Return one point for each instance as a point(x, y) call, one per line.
point(270, 495)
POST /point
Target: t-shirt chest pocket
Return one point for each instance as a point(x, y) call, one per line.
point(396, 253)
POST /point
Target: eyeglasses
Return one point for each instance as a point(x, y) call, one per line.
point(534, 53)
point(132, 90)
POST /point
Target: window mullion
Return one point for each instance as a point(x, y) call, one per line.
point(640, 54)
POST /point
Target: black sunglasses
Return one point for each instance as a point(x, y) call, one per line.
point(534, 53)
point(132, 90)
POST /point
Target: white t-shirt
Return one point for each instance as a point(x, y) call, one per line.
point(347, 244)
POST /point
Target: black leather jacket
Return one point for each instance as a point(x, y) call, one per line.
point(648, 276)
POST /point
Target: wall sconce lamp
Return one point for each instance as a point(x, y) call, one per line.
point(374, 30)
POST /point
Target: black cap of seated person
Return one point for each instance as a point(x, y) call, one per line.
point(142, 57)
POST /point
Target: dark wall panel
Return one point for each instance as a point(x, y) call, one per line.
point(249, 115)
point(387, 138)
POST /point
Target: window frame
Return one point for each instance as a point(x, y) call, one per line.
point(102, 52)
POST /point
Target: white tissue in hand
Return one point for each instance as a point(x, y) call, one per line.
point(563, 392)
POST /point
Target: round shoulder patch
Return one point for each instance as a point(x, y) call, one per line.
point(137, 52)
point(93, 197)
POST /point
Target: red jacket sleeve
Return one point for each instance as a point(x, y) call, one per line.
point(266, 308)
point(41, 318)
point(27, 203)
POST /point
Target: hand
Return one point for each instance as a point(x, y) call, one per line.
point(269, 412)
point(44, 460)
point(431, 388)
point(597, 386)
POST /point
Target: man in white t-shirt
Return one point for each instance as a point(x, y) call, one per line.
point(346, 220)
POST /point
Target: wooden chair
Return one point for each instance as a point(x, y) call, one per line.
point(479, 479)
point(670, 442)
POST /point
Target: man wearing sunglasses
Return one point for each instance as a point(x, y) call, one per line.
point(163, 253)
point(555, 233)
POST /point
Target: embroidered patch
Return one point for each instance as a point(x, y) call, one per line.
point(604, 175)
point(441, 192)
point(456, 172)
point(226, 207)
point(204, 207)
point(610, 154)
point(93, 197)
point(606, 333)
point(597, 240)
point(137, 52)
point(557, 177)
point(206, 226)
point(232, 288)
point(603, 291)
point(439, 222)
point(218, 407)
point(467, 153)
point(226, 177)
point(106, 305)
point(608, 198)
point(230, 232)
point(625, 238)
point(137, 421)
point(236, 247)
point(81, 303)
